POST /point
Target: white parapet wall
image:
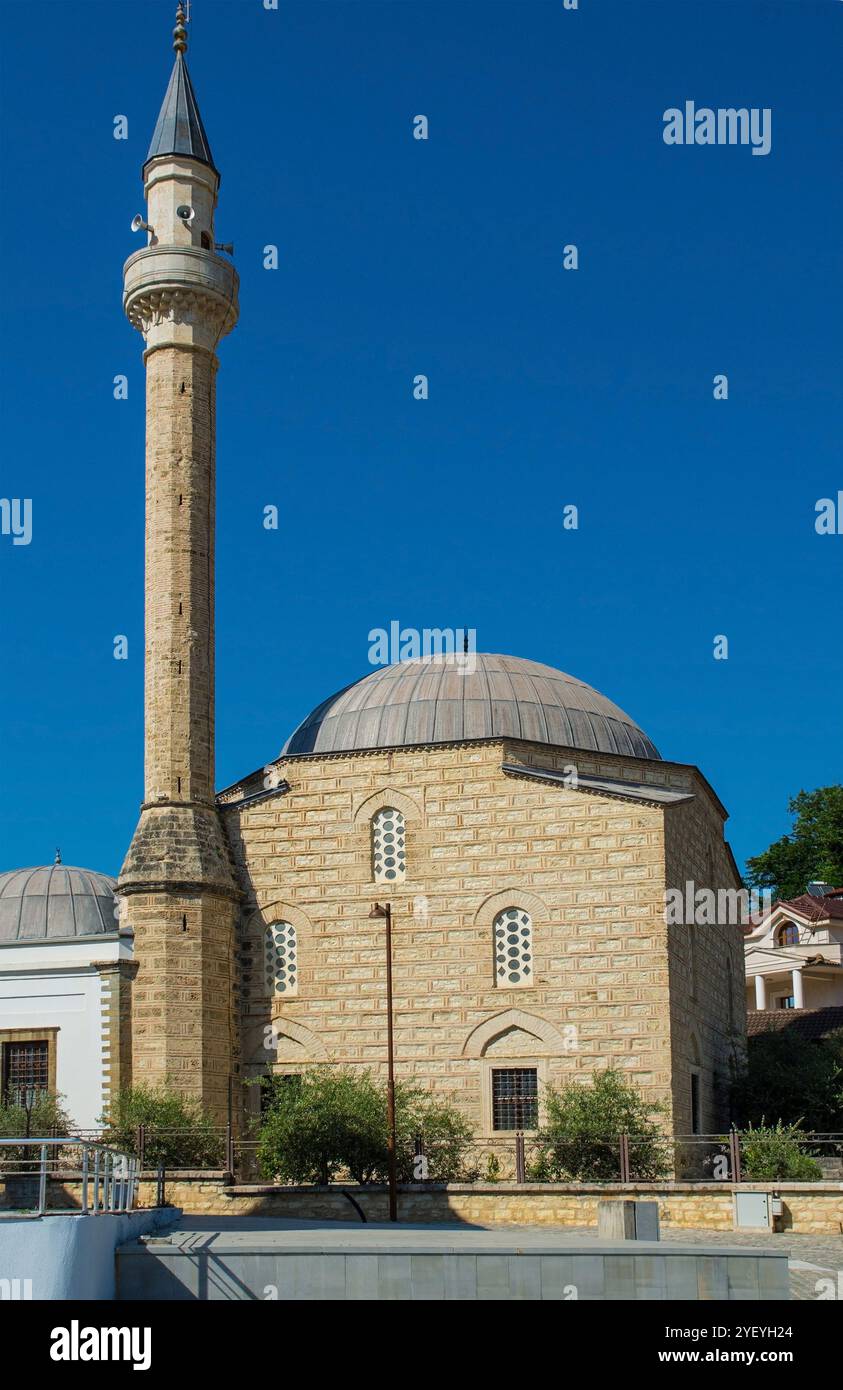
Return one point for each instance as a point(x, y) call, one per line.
point(69, 1257)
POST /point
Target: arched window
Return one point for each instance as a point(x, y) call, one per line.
point(389, 858)
point(513, 929)
point(282, 967)
point(787, 934)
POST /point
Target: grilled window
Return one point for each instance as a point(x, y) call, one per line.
point(389, 859)
point(26, 1071)
point(788, 935)
point(513, 930)
point(515, 1098)
point(282, 967)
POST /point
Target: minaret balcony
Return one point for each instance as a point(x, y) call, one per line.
point(180, 296)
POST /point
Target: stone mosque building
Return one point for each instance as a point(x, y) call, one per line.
point(522, 827)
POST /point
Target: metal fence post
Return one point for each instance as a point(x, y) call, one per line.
point(42, 1182)
point(141, 1144)
point(85, 1179)
point(229, 1148)
point(520, 1162)
point(624, 1158)
point(160, 1192)
point(735, 1154)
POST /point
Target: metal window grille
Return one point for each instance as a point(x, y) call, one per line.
point(281, 959)
point(515, 1098)
point(513, 932)
point(389, 858)
point(26, 1070)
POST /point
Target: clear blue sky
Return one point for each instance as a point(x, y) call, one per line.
point(547, 387)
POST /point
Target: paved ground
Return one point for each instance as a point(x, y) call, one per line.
point(813, 1259)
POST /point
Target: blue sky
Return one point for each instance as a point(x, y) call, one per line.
point(547, 387)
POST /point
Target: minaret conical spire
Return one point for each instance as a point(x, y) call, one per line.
point(179, 128)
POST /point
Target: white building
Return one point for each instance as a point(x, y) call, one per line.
point(63, 961)
point(794, 956)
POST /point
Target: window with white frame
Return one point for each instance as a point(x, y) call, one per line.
point(282, 972)
point(389, 847)
point(513, 929)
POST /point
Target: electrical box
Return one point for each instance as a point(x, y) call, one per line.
point(752, 1211)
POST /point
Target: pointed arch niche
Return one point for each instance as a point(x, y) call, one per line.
point(511, 1041)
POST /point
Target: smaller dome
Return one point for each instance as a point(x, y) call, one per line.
point(54, 902)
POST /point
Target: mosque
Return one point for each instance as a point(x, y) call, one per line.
point(522, 828)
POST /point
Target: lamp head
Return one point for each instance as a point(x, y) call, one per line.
point(377, 911)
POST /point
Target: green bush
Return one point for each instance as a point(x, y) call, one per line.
point(446, 1135)
point(774, 1153)
point(580, 1139)
point(179, 1132)
point(493, 1169)
point(333, 1122)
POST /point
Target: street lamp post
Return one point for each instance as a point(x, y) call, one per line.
point(384, 911)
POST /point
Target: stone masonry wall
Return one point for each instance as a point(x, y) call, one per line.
point(589, 868)
point(808, 1208)
point(707, 1015)
point(179, 624)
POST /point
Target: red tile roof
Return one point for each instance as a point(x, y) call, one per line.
point(809, 1025)
point(815, 909)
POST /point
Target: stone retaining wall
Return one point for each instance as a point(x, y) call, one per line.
point(808, 1208)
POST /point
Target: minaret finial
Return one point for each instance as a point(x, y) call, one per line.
point(180, 32)
point(58, 856)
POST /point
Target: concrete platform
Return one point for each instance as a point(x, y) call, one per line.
point(264, 1259)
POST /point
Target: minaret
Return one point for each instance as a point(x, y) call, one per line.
point(177, 880)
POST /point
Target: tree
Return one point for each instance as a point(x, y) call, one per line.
point(789, 1079)
point(580, 1139)
point(333, 1121)
point(812, 850)
point(42, 1118)
point(178, 1131)
point(447, 1137)
point(329, 1120)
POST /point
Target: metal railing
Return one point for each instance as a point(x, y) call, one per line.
point(108, 1179)
point(160, 1154)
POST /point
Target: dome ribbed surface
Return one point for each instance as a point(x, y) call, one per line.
point(435, 701)
point(56, 901)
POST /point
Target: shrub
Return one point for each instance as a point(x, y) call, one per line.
point(580, 1139)
point(333, 1121)
point(329, 1120)
point(446, 1135)
point(493, 1168)
point(46, 1118)
point(774, 1153)
point(179, 1132)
